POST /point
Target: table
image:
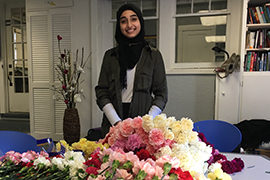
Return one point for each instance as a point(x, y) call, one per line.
point(257, 167)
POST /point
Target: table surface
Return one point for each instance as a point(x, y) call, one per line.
point(257, 167)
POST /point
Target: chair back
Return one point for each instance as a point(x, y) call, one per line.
point(17, 141)
point(223, 135)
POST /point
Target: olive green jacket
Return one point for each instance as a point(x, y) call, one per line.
point(150, 84)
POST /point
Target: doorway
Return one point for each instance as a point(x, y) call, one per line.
point(16, 58)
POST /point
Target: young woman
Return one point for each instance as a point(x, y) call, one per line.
point(132, 80)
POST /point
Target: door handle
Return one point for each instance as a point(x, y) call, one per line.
point(10, 82)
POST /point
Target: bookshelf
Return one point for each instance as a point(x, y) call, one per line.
point(255, 99)
point(257, 41)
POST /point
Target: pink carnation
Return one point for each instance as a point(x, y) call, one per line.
point(150, 170)
point(119, 135)
point(166, 158)
point(137, 122)
point(126, 128)
point(122, 173)
point(143, 134)
point(28, 156)
point(137, 166)
point(134, 142)
point(111, 140)
point(132, 157)
point(156, 137)
point(159, 172)
point(168, 142)
point(151, 149)
point(119, 144)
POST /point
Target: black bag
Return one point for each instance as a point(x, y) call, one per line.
point(94, 134)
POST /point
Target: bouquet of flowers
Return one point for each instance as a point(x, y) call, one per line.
point(140, 148)
point(69, 75)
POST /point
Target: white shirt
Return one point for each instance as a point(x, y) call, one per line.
point(127, 93)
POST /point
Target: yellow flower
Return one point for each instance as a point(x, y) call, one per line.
point(64, 143)
point(226, 177)
point(211, 176)
point(219, 173)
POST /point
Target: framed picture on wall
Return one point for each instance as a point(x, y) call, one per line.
point(152, 40)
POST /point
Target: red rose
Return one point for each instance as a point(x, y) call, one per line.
point(59, 37)
point(65, 71)
point(64, 87)
point(63, 55)
point(66, 101)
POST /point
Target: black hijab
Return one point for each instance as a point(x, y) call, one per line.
point(129, 48)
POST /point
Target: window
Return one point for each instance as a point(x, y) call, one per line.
point(199, 26)
point(19, 50)
point(149, 11)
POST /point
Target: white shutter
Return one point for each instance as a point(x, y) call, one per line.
point(39, 70)
point(46, 115)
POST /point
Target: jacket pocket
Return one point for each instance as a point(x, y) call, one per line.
point(145, 80)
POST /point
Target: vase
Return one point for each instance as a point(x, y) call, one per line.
point(71, 126)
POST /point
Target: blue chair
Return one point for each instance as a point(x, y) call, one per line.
point(17, 141)
point(223, 135)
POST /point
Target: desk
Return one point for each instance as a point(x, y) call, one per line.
point(256, 166)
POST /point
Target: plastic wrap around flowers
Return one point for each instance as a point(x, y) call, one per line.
point(160, 136)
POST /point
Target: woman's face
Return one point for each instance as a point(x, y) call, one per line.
point(130, 24)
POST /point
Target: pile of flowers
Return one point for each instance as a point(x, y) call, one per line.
point(31, 165)
point(69, 74)
point(140, 148)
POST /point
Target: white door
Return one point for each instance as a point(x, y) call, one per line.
point(17, 61)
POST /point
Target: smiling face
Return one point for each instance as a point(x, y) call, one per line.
point(130, 24)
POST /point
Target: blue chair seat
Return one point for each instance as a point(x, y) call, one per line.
point(223, 135)
point(17, 141)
